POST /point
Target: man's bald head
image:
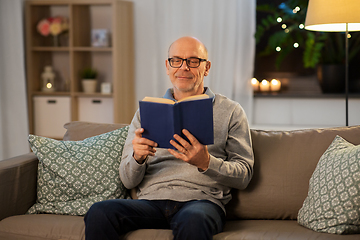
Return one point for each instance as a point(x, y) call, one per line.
point(190, 41)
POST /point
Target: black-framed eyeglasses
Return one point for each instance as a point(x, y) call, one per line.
point(192, 62)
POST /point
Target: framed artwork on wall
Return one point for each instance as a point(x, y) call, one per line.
point(100, 38)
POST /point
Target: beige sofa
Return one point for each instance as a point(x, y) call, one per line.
point(267, 209)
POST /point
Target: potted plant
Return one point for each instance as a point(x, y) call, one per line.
point(285, 23)
point(284, 26)
point(89, 81)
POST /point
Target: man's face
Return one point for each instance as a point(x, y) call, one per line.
point(185, 80)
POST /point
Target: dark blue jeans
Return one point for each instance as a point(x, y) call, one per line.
point(198, 219)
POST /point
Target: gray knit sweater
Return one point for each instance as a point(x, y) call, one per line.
point(165, 177)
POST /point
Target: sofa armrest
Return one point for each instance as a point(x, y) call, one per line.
point(17, 184)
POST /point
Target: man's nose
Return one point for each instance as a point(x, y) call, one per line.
point(184, 65)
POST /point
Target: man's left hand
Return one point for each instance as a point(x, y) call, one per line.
point(194, 152)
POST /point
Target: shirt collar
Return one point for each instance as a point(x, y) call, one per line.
point(170, 94)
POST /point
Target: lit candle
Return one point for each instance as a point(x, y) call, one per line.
point(275, 85)
point(255, 84)
point(264, 86)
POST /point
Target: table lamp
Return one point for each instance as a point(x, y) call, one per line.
point(335, 16)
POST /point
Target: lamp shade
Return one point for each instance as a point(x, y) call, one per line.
point(333, 15)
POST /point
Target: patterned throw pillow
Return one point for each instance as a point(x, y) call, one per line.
point(333, 201)
point(73, 175)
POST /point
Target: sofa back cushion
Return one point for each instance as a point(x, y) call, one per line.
point(78, 130)
point(284, 163)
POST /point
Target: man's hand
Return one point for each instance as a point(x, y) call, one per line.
point(142, 146)
point(194, 152)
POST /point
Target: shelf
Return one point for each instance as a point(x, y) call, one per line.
point(92, 49)
point(75, 94)
point(102, 95)
point(51, 93)
point(305, 95)
point(51, 49)
point(78, 49)
point(114, 64)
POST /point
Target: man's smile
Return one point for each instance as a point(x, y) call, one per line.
point(184, 77)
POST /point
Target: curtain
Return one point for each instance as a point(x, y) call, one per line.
point(13, 109)
point(226, 28)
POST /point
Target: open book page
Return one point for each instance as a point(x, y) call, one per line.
point(158, 100)
point(195, 97)
point(168, 101)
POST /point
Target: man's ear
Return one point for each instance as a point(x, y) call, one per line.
point(207, 68)
point(167, 66)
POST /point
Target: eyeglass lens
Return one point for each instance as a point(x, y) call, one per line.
point(191, 62)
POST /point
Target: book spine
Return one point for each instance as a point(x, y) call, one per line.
point(177, 120)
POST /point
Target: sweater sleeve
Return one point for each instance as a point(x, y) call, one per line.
point(236, 169)
point(131, 172)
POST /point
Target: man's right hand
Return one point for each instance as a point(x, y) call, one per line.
point(142, 147)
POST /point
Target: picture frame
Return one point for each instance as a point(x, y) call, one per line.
point(100, 38)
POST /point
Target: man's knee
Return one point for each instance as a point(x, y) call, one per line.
point(200, 221)
point(195, 217)
point(98, 211)
point(100, 222)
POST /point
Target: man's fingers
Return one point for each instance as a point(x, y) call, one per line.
point(142, 141)
point(175, 154)
point(142, 146)
point(182, 142)
point(138, 132)
point(191, 137)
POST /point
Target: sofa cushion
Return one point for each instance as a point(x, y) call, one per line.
point(42, 227)
point(79, 130)
point(333, 201)
point(284, 163)
point(273, 230)
point(72, 175)
point(249, 230)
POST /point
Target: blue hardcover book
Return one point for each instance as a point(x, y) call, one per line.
point(162, 118)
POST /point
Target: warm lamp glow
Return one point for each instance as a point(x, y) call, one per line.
point(255, 84)
point(332, 15)
point(334, 27)
point(264, 85)
point(275, 85)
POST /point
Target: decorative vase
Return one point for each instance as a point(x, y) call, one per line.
point(331, 78)
point(89, 85)
point(48, 79)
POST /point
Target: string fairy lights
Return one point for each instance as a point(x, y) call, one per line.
point(287, 30)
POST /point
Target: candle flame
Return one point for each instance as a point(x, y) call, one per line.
point(264, 82)
point(254, 81)
point(274, 82)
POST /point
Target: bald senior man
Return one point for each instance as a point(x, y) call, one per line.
point(186, 189)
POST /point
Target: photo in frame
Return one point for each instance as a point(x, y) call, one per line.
point(100, 38)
